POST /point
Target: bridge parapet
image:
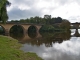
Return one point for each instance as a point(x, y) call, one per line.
point(25, 27)
point(76, 25)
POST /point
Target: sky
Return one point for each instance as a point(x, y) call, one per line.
point(66, 9)
point(67, 50)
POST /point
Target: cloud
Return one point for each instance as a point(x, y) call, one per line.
point(28, 8)
point(74, 18)
point(67, 50)
point(17, 13)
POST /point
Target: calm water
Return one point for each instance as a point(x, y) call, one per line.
point(51, 46)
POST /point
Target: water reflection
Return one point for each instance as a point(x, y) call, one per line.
point(32, 32)
point(67, 50)
point(17, 35)
point(2, 30)
point(43, 38)
point(75, 32)
point(52, 46)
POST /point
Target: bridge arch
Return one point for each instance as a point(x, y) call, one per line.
point(16, 27)
point(32, 27)
point(25, 27)
point(32, 31)
point(2, 28)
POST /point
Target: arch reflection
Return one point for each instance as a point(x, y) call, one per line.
point(2, 30)
point(44, 38)
point(16, 29)
point(32, 32)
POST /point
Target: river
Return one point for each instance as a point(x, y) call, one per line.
point(52, 46)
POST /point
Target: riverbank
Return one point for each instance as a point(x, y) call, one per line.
point(9, 50)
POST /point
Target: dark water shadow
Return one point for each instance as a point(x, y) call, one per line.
point(32, 32)
point(43, 38)
point(2, 31)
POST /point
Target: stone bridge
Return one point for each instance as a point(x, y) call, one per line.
point(75, 25)
point(25, 27)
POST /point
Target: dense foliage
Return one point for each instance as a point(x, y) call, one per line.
point(47, 28)
point(65, 24)
point(49, 24)
point(3, 10)
point(39, 20)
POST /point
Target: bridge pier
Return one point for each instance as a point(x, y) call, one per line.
point(76, 33)
point(38, 28)
point(24, 31)
point(7, 32)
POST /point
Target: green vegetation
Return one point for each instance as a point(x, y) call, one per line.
point(3, 10)
point(9, 50)
point(47, 28)
point(49, 24)
point(39, 20)
point(65, 25)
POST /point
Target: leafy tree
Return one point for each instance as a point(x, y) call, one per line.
point(37, 19)
point(55, 20)
point(65, 24)
point(27, 20)
point(52, 21)
point(58, 20)
point(3, 10)
point(47, 28)
point(47, 19)
point(22, 21)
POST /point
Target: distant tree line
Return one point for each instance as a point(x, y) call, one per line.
point(40, 20)
point(49, 24)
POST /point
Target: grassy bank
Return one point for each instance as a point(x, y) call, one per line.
point(9, 50)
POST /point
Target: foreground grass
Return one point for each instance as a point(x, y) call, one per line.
point(9, 50)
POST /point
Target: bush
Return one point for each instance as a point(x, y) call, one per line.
point(47, 28)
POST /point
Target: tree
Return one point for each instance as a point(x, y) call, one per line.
point(3, 10)
point(58, 20)
point(65, 24)
point(55, 20)
point(47, 18)
point(52, 21)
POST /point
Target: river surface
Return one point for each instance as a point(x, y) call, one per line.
point(52, 46)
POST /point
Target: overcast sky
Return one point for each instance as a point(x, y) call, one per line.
point(67, 9)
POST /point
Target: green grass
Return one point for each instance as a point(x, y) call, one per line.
point(9, 50)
